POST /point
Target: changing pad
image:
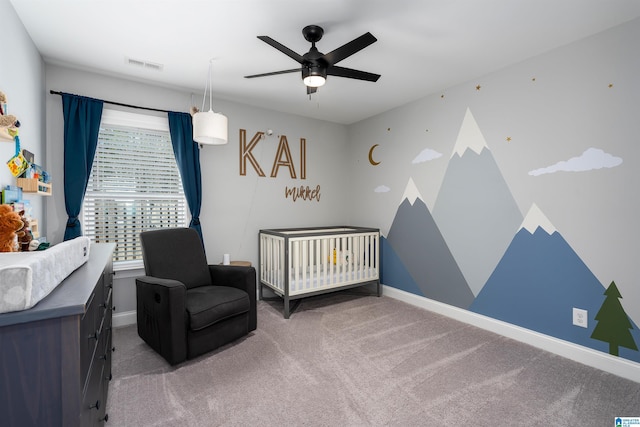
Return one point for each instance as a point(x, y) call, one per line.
point(27, 277)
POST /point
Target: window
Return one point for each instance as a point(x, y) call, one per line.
point(134, 184)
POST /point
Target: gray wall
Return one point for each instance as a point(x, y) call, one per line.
point(22, 80)
point(234, 207)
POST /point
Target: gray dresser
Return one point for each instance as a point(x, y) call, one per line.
point(55, 358)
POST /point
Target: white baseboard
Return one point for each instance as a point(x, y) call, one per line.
point(124, 319)
point(605, 362)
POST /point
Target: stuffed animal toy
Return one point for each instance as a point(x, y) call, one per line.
point(10, 222)
point(25, 236)
point(9, 124)
point(8, 121)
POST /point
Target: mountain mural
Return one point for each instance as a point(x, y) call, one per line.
point(475, 210)
point(538, 282)
point(418, 244)
point(477, 252)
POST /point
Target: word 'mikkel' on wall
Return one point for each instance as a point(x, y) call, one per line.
point(282, 158)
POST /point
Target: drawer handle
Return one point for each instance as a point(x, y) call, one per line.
point(97, 405)
point(106, 418)
point(93, 336)
point(104, 356)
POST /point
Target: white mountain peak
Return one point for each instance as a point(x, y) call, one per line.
point(535, 218)
point(411, 192)
point(469, 136)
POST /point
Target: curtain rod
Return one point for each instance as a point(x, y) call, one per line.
point(53, 92)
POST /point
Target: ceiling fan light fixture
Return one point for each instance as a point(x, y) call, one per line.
point(314, 76)
point(210, 128)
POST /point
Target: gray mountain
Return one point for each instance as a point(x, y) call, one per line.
point(475, 210)
point(416, 240)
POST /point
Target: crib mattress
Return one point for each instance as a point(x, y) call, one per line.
point(28, 277)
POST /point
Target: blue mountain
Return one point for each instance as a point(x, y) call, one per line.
point(536, 285)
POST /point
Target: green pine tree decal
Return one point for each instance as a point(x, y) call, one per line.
point(613, 324)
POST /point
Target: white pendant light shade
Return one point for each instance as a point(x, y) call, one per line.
point(210, 128)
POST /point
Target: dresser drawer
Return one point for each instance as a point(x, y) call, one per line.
point(89, 335)
point(93, 402)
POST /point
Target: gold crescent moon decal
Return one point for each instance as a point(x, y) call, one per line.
point(373, 162)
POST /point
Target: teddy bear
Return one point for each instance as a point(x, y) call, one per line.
point(9, 123)
point(25, 236)
point(10, 223)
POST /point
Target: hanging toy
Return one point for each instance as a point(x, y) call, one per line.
point(18, 163)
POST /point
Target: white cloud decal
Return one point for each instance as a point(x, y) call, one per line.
point(592, 158)
point(382, 189)
point(426, 155)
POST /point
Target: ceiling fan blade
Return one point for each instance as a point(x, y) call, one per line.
point(352, 74)
point(350, 48)
point(274, 73)
point(282, 48)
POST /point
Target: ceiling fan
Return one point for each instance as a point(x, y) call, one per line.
point(316, 66)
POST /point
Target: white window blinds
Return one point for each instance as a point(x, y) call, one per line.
point(134, 184)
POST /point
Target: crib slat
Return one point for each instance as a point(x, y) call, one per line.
point(296, 265)
point(317, 261)
point(325, 259)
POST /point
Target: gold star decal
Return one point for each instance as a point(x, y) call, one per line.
point(478, 87)
point(610, 85)
point(508, 139)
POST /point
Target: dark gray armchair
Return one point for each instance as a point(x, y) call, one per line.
point(185, 307)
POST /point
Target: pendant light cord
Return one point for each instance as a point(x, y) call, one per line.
point(209, 82)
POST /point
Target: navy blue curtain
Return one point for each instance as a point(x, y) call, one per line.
point(187, 154)
point(81, 126)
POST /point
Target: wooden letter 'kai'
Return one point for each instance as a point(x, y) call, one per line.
point(282, 158)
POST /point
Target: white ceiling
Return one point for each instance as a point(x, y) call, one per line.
point(424, 46)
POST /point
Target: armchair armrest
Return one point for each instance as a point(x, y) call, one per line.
point(161, 307)
point(238, 277)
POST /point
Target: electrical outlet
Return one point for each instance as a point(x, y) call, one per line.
point(580, 317)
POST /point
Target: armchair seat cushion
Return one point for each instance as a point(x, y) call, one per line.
point(207, 305)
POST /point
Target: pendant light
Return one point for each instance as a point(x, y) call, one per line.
point(209, 128)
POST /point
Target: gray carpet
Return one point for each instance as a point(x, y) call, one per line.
point(345, 359)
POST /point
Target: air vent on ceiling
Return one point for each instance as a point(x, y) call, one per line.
point(144, 64)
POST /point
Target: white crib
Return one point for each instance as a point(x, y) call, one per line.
point(300, 262)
